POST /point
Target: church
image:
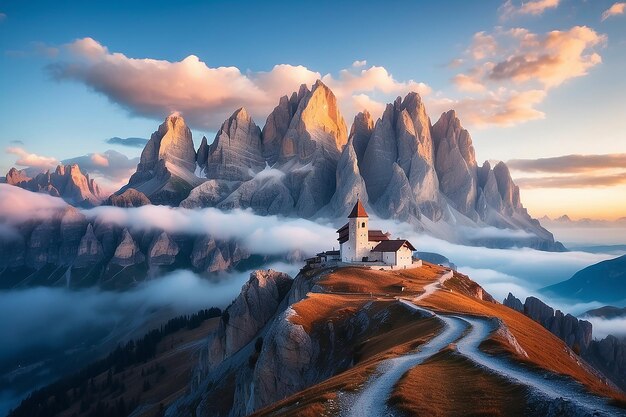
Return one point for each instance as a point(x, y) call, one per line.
point(360, 245)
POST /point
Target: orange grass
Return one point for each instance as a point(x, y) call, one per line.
point(544, 349)
point(451, 385)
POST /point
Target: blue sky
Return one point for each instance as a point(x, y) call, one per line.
point(569, 113)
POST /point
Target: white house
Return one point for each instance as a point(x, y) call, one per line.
point(358, 244)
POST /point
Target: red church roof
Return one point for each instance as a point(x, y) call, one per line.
point(358, 210)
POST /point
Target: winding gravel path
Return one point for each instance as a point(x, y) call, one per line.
point(468, 333)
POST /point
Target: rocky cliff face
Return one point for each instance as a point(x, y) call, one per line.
point(574, 332)
point(70, 250)
point(165, 173)
point(236, 153)
point(67, 182)
point(251, 310)
point(607, 355)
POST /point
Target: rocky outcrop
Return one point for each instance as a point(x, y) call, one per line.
point(163, 250)
point(360, 133)
point(236, 153)
point(67, 182)
point(283, 364)
point(251, 310)
point(203, 152)
point(317, 124)
point(171, 143)
point(574, 332)
point(208, 194)
point(127, 252)
point(513, 302)
point(166, 170)
point(402, 137)
point(129, 198)
point(455, 163)
point(278, 122)
point(350, 184)
point(607, 355)
point(90, 251)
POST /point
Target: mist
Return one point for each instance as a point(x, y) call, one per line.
point(48, 332)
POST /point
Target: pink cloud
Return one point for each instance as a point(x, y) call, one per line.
point(531, 7)
point(207, 95)
point(502, 108)
point(27, 159)
point(615, 10)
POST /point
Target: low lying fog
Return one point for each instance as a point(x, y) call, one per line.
point(52, 315)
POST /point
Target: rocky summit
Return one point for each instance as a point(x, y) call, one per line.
point(67, 182)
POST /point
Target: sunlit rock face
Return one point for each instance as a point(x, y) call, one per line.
point(171, 143)
point(165, 173)
point(67, 182)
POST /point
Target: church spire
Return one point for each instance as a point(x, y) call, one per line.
point(358, 210)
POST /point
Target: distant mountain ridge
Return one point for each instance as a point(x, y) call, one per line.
point(604, 282)
point(304, 163)
point(67, 182)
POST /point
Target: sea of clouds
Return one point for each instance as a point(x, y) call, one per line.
point(58, 317)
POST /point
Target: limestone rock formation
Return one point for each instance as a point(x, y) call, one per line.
point(607, 355)
point(513, 302)
point(403, 137)
point(350, 184)
point(278, 122)
point(360, 133)
point(129, 198)
point(256, 304)
point(235, 154)
point(90, 251)
point(455, 163)
point(166, 170)
point(163, 250)
point(574, 332)
point(127, 252)
point(67, 182)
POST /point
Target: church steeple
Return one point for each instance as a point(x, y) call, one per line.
point(358, 210)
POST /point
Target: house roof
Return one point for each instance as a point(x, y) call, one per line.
point(372, 235)
point(392, 245)
point(377, 236)
point(358, 210)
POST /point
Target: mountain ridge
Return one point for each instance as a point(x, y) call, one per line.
point(304, 163)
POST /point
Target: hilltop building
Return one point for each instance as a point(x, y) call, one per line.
point(361, 246)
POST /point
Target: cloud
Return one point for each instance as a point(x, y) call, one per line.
point(468, 84)
point(569, 163)
point(18, 205)
point(16, 142)
point(615, 10)
point(531, 7)
point(483, 46)
point(266, 235)
point(358, 64)
point(572, 181)
point(500, 108)
point(110, 168)
point(27, 159)
point(550, 59)
point(130, 142)
point(50, 332)
point(604, 327)
point(507, 73)
point(207, 95)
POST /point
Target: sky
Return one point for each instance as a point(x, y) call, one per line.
point(538, 84)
